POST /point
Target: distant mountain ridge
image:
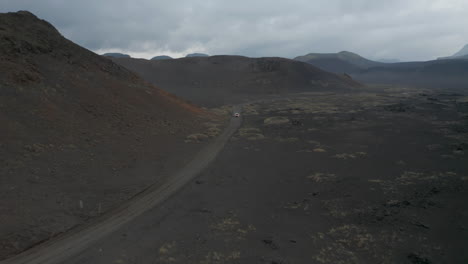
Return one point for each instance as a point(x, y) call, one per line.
point(197, 55)
point(431, 74)
point(341, 62)
point(218, 80)
point(388, 60)
point(440, 74)
point(116, 55)
point(162, 57)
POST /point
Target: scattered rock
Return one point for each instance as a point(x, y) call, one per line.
point(419, 224)
point(296, 122)
point(270, 243)
point(35, 148)
point(397, 108)
point(416, 259)
point(204, 210)
point(397, 203)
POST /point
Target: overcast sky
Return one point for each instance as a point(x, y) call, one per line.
point(394, 29)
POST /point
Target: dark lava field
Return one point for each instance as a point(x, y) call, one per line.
point(320, 178)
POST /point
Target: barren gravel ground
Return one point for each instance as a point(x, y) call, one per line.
point(322, 178)
point(62, 248)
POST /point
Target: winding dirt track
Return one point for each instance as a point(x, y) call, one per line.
point(59, 249)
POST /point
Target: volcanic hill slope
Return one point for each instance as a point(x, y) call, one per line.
point(162, 57)
point(116, 55)
point(219, 80)
point(196, 55)
point(341, 62)
point(78, 132)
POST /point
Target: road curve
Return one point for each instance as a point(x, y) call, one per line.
point(59, 249)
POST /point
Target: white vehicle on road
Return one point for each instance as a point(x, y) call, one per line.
point(236, 115)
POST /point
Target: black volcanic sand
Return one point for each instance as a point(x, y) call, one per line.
point(364, 178)
point(50, 189)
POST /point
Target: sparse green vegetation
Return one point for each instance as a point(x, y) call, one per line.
point(287, 140)
point(251, 133)
point(354, 155)
point(276, 120)
point(198, 137)
point(321, 177)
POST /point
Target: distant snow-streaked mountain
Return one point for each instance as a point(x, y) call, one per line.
point(461, 54)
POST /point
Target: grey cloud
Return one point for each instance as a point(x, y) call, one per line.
point(408, 30)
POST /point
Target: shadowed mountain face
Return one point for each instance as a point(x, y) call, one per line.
point(197, 55)
point(47, 78)
point(431, 74)
point(218, 80)
point(74, 126)
point(162, 57)
point(342, 62)
point(389, 60)
point(116, 55)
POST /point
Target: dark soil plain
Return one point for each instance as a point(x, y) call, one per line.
point(372, 177)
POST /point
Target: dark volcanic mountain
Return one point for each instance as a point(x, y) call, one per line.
point(197, 55)
point(162, 57)
point(218, 80)
point(116, 55)
point(389, 60)
point(431, 74)
point(341, 62)
point(78, 132)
